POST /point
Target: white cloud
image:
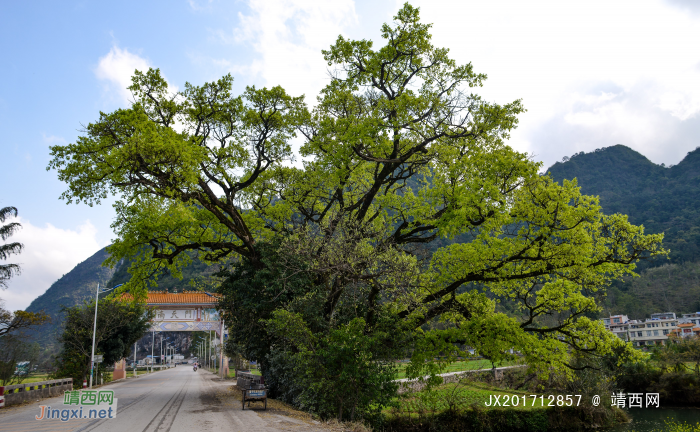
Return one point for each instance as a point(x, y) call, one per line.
point(591, 74)
point(200, 5)
point(630, 118)
point(289, 35)
point(52, 139)
point(48, 254)
point(679, 104)
point(117, 68)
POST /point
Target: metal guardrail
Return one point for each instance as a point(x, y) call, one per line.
point(18, 393)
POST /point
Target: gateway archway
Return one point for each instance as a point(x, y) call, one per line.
point(184, 311)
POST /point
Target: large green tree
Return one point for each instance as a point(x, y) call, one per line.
point(400, 156)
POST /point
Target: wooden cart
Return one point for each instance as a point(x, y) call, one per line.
point(254, 393)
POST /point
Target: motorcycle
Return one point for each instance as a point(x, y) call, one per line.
point(194, 368)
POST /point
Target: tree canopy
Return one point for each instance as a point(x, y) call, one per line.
point(399, 157)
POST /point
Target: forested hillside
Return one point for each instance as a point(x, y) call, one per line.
point(670, 287)
point(72, 288)
point(663, 199)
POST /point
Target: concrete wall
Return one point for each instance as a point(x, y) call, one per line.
point(119, 370)
point(18, 393)
point(406, 385)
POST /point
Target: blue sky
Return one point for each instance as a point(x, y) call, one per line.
point(592, 74)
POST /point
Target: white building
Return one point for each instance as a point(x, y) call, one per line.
point(649, 332)
point(653, 331)
point(692, 318)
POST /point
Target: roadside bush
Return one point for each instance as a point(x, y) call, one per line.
point(477, 419)
point(637, 376)
point(338, 374)
point(281, 377)
point(677, 389)
point(666, 372)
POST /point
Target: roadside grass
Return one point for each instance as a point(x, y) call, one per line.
point(232, 373)
point(36, 378)
point(459, 366)
point(456, 396)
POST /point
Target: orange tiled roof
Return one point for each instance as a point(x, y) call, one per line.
point(686, 325)
point(185, 297)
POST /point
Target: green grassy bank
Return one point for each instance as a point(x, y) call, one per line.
point(464, 406)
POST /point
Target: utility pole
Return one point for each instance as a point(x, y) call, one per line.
point(153, 342)
point(135, 357)
point(94, 330)
point(94, 327)
point(221, 347)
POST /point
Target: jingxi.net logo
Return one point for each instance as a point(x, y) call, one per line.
point(77, 405)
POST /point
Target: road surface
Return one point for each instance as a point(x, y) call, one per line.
point(174, 400)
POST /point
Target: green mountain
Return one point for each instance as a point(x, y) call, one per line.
point(662, 199)
point(73, 288)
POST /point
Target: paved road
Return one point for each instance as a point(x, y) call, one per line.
point(173, 400)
